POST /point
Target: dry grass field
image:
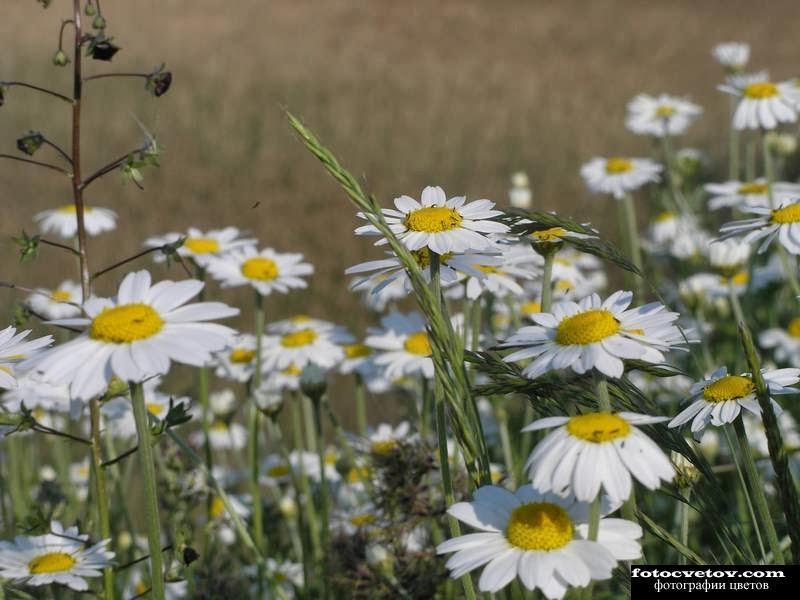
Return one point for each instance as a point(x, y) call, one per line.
point(458, 93)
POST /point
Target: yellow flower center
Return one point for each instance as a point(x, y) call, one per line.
point(586, 328)
point(217, 508)
point(563, 285)
point(292, 370)
point(70, 209)
point(759, 91)
point(598, 427)
point(488, 269)
point(383, 447)
point(529, 308)
point(60, 296)
point(331, 458)
point(154, 409)
point(787, 214)
point(729, 387)
point(52, 562)
point(141, 588)
point(616, 165)
point(753, 188)
point(549, 235)
point(361, 520)
point(794, 327)
point(740, 278)
point(298, 339)
point(278, 471)
point(357, 351)
point(219, 426)
point(260, 268)
point(242, 355)
point(418, 343)
point(539, 526)
point(433, 219)
point(201, 245)
point(297, 319)
point(125, 324)
point(357, 474)
point(665, 111)
point(664, 216)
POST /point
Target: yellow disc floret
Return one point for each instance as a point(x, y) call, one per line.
point(260, 268)
point(539, 526)
point(794, 327)
point(549, 235)
point(418, 343)
point(217, 508)
point(61, 296)
point(357, 351)
point(530, 308)
point(787, 214)
point(753, 188)
point(242, 355)
point(52, 562)
point(383, 447)
point(598, 427)
point(665, 111)
point(760, 91)
point(616, 165)
point(730, 387)
point(201, 245)
point(125, 324)
point(586, 327)
point(298, 339)
point(433, 219)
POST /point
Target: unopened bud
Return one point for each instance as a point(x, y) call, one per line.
point(379, 557)
point(89, 10)
point(781, 144)
point(312, 381)
point(116, 387)
point(158, 83)
point(47, 473)
point(268, 402)
point(60, 58)
point(288, 507)
point(686, 473)
point(99, 22)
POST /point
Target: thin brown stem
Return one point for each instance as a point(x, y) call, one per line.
point(38, 89)
point(77, 188)
point(58, 149)
point(107, 168)
point(105, 75)
point(37, 163)
point(121, 457)
point(125, 261)
point(69, 249)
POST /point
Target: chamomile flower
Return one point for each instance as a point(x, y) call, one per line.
point(287, 378)
point(266, 270)
point(720, 398)
point(442, 225)
point(782, 222)
point(199, 245)
point(63, 221)
point(594, 450)
point(748, 194)
point(517, 263)
point(136, 335)
point(595, 334)
point(59, 557)
point(14, 350)
point(37, 394)
point(238, 360)
point(728, 256)
point(762, 105)
point(60, 303)
point(618, 176)
point(385, 439)
point(660, 116)
point(311, 342)
point(520, 195)
point(403, 345)
point(308, 462)
point(452, 269)
point(733, 56)
point(223, 436)
point(360, 360)
point(785, 343)
point(542, 539)
point(740, 81)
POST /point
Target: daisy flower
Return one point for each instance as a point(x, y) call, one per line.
point(63, 221)
point(732, 55)
point(14, 350)
point(618, 176)
point(785, 343)
point(317, 342)
point(360, 359)
point(61, 556)
point(222, 436)
point(403, 345)
point(782, 222)
point(452, 269)
point(762, 105)
point(136, 335)
point(60, 303)
point(285, 379)
point(442, 225)
point(660, 115)
point(728, 256)
point(594, 450)
point(517, 262)
point(595, 334)
point(37, 394)
point(748, 194)
point(266, 270)
point(386, 439)
point(540, 538)
point(237, 360)
point(720, 398)
point(199, 245)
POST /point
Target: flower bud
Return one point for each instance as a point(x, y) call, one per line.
point(288, 507)
point(781, 144)
point(686, 474)
point(99, 22)
point(89, 10)
point(378, 556)
point(158, 83)
point(60, 58)
point(47, 473)
point(312, 382)
point(269, 402)
point(30, 142)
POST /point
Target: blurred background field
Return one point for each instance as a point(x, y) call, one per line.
point(456, 93)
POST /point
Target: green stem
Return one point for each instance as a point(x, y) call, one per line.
point(308, 421)
point(505, 441)
point(252, 441)
point(150, 490)
point(750, 160)
point(601, 389)
point(633, 242)
point(202, 393)
point(733, 444)
point(733, 145)
point(757, 489)
point(323, 497)
point(101, 491)
point(361, 405)
point(547, 281)
point(684, 523)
